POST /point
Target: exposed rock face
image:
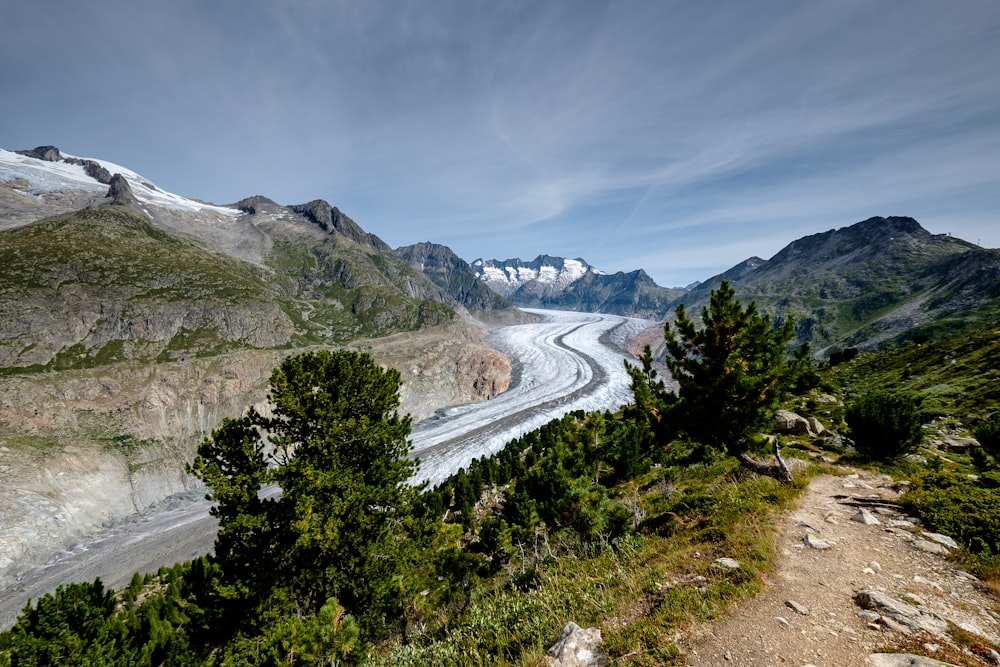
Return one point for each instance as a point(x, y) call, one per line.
point(46, 153)
point(454, 275)
point(94, 170)
point(486, 373)
point(84, 448)
point(120, 191)
point(576, 647)
point(331, 220)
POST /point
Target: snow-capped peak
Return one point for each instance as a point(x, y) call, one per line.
point(43, 177)
point(506, 277)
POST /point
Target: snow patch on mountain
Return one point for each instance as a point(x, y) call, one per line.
point(44, 177)
point(508, 276)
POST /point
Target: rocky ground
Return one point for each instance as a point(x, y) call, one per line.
point(848, 592)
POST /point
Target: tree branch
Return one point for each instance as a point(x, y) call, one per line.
point(778, 471)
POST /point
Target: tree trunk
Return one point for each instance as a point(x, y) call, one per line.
point(778, 471)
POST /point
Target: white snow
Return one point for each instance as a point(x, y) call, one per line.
point(45, 177)
point(573, 270)
point(506, 279)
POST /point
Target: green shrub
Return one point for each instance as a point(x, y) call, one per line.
point(964, 508)
point(884, 426)
point(987, 432)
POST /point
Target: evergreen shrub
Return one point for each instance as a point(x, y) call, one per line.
point(884, 426)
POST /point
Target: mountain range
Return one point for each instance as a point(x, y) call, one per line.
point(258, 274)
point(133, 320)
point(573, 284)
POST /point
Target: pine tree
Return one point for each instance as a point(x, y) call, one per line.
point(732, 373)
point(343, 526)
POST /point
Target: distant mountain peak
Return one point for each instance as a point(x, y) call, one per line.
point(545, 271)
point(865, 284)
point(573, 284)
point(330, 219)
point(257, 204)
point(454, 275)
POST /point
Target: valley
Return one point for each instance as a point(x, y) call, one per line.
point(566, 362)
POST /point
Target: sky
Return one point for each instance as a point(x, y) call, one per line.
point(676, 137)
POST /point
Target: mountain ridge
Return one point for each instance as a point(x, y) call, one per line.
point(573, 284)
point(454, 275)
point(133, 321)
point(875, 282)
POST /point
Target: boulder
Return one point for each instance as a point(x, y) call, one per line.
point(791, 423)
point(866, 517)
point(576, 647)
point(797, 607)
point(957, 444)
point(814, 542)
point(943, 540)
point(930, 547)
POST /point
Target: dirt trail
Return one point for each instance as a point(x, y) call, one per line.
point(766, 631)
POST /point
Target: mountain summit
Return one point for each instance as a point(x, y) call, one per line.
point(878, 280)
point(454, 275)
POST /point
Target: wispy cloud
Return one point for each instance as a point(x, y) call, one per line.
point(674, 136)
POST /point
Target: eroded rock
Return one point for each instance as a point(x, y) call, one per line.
point(576, 647)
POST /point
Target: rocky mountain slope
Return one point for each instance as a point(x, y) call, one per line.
point(572, 284)
point(454, 275)
point(879, 281)
point(133, 320)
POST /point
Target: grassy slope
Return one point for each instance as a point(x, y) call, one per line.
point(957, 375)
point(107, 286)
point(642, 591)
point(881, 281)
point(118, 274)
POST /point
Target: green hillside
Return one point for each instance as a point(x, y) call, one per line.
point(876, 283)
point(104, 285)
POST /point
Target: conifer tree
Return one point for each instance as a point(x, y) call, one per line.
point(732, 372)
point(343, 526)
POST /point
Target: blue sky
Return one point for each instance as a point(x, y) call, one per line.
point(679, 137)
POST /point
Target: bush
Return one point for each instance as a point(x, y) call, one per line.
point(966, 509)
point(884, 426)
point(987, 432)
